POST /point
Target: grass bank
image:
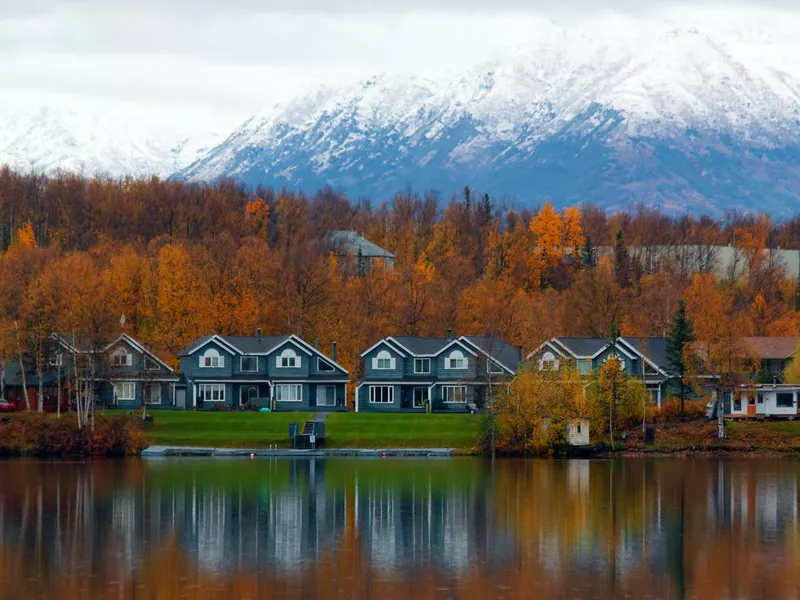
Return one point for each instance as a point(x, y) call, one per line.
point(343, 430)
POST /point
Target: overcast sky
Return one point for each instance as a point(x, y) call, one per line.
point(234, 56)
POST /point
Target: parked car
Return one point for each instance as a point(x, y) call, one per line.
point(6, 406)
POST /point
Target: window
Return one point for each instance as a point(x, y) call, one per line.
point(324, 366)
point(456, 360)
point(761, 398)
point(121, 358)
point(751, 400)
point(211, 392)
point(548, 362)
point(212, 359)
point(56, 360)
point(249, 364)
point(326, 395)
point(618, 358)
point(383, 360)
point(493, 368)
point(125, 390)
point(288, 359)
point(784, 400)
point(381, 394)
point(154, 394)
point(150, 364)
point(286, 392)
point(422, 365)
point(420, 397)
point(737, 403)
point(454, 394)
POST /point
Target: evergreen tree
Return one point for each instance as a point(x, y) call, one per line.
point(587, 256)
point(679, 335)
point(622, 262)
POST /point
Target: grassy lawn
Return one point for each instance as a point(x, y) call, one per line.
point(351, 430)
point(343, 430)
point(222, 429)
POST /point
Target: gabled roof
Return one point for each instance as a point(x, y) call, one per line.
point(421, 346)
point(140, 348)
point(497, 350)
point(458, 342)
point(772, 348)
point(258, 345)
point(653, 350)
point(580, 347)
point(388, 342)
point(352, 242)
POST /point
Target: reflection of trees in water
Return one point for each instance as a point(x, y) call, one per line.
point(471, 529)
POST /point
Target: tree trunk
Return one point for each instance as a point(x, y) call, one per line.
point(720, 417)
point(3, 380)
point(58, 388)
point(22, 369)
point(40, 390)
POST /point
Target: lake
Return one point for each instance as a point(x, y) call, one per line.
point(361, 528)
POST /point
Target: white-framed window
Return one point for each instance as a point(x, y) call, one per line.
point(150, 364)
point(493, 368)
point(454, 394)
point(121, 358)
point(211, 392)
point(154, 393)
point(249, 364)
point(381, 394)
point(289, 392)
point(617, 357)
point(456, 360)
point(325, 366)
point(212, 359)
point(383, 361)
point(125, 390)
point(421, 395)
point(422, 365)
point(57, 359)
point(288, 359)
point(549, 362)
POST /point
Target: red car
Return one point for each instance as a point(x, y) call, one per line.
point(6, 406)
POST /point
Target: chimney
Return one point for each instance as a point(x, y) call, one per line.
point(449, 333)
point(333, 352)
point(258, 333)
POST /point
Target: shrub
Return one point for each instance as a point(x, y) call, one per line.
point(670, 411)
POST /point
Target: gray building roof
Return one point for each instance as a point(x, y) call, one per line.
point(246, 344)
point(421, 345)
point(580, 346)
point(654, 349)
point(350, 242)
point(498, 349)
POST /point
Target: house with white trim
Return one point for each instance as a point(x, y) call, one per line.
point(283, 373)
point(419, 374)
point(645, 358)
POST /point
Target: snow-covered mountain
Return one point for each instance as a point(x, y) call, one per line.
point(615, 111)
point(82, 137)
point(678, 118)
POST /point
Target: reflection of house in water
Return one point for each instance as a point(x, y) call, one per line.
point(429, 524)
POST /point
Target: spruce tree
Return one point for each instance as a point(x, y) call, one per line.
point(679, 335)
point(622, 262)
point(587, 257)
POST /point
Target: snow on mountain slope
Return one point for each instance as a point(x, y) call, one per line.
point(85, 138)
point(674, 117)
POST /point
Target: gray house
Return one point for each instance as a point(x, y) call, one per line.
point(350, 245)
point(415, 374)
point(645, 358)
point(276, 372)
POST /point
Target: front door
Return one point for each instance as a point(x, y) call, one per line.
point(248, 394)
point(180, 397)
point(326, 395)
point(761, 406)
point(421, 397)
point(751, 405)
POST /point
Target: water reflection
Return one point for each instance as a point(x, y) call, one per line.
point(397, 529)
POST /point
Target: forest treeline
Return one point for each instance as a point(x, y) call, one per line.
point(182, 260)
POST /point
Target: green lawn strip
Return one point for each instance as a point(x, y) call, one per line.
point(343, 430)
point(364, 430)
point(222, 429)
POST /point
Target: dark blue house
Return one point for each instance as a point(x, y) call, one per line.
point(418, 374)
point(277, 372)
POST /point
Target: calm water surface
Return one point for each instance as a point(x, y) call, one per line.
point(383, 529)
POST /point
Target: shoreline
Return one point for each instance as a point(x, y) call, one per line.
point(192, 451)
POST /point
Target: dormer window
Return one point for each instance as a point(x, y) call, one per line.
point(324, 366)
point(383, 361)
point(150, 364)
point(455, 360)
point(493, 368)
point(288, 359)
point(121, 358)
point(549, 362)
point(212, 359)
